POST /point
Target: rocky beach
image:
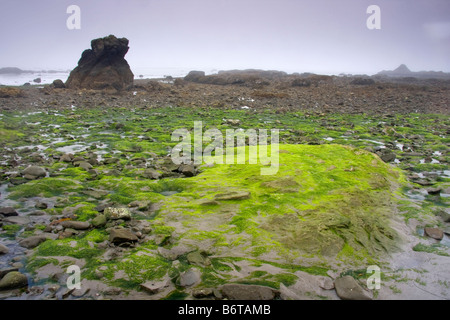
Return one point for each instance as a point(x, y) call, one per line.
point(87, 180)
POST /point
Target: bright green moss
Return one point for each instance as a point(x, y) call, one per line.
point(46, 187)
point(322, 199)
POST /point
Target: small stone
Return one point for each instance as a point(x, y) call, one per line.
point(85, 165)
point(154, 287)
point(99, 221)
point(35, 171)
point(232, 195)
point(121, 235)
point(77, 225)
point(68, 157)
point(141, 205)
point(445, 214)
point(190, 278)
point(117, 213)
point(327, 283)
point(347, 288)
point(151, 174)
point(32, 242)
point(8, 211)
point(13, 280)
point(434, 191)
point(198, 258)
point(203, 293)
point(3, 249)
point(434, 233)
point(41, 205)
point(187, 169)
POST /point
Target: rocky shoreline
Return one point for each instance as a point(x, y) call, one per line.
point(86, 181)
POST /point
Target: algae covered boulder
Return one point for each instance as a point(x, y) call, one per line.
point(328, 200)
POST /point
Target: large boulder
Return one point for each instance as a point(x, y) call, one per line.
point(103, 66)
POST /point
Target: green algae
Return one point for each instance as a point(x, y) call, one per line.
point(45, 187)
point(324, 199)
point(323, 194)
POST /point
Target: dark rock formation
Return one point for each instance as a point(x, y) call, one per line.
point(103, 66)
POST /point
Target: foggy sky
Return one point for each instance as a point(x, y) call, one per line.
point(321, 36)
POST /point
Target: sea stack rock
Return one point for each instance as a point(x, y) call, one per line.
point(103, 66)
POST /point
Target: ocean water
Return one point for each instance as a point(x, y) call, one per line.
point(49, 77)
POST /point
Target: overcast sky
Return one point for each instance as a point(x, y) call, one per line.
point(322, 36)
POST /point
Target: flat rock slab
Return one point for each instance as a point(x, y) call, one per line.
point(153, 287)
point(17, 220)
point(8, 211)
point(347, 288)
point(77, 225)
point(233, 195)
point(247, 292)
point(118, 236)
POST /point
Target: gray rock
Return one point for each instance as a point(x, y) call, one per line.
point(41, 205)
point(121, 235)
point(190, 278)
point(247, 292)
point(8, 211)
point(110, 160)
point(34, 171)
point(327, 283)
point(77, 225)
point(151, 174)
point(3, 249)
point(198, 258)
point(117, 213)
point(141, 205)
point(4, 272)
point(445, 214)
point(386, 155)
point(434, 233)
point(32, 242)
point(174, 252)
point(85, 165)
point(17, 220)
point(99, 221)
point(203, 293)
point(68, 157)
point(13, 280)
point(347, 288)
point(154, 287)
point(434, 191)
point(187, 169)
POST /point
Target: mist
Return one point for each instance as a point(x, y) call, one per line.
point(328, 37)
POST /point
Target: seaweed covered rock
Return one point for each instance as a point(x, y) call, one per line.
point(103, 66)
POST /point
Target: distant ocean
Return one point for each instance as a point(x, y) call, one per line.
point(49, 77)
